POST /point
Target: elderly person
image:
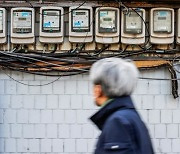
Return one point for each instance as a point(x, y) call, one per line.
point(123, 131)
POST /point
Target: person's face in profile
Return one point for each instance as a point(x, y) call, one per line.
point(97, 93)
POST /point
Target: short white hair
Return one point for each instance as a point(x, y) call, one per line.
point(117, 76)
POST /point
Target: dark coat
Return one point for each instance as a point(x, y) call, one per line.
point(123, 131)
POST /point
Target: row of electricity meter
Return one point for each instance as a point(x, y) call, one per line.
point(107, 25)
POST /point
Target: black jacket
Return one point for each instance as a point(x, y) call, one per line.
point(123, 131)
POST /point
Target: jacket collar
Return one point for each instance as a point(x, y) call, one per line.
point(100, 117)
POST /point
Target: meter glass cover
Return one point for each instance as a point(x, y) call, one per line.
point(22, 21)
point(51, 21)
point(80, 20)
point(107, 21)
point(133, 23)
point(1, 21)
point(162, 21)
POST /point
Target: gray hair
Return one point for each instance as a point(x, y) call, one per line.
point(117, 76)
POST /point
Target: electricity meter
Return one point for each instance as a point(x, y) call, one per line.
point(178, 27)
point(51, 24)
point(22, 25)
point(3, 25)
point(80, 24)
point(133, 27)
point(107, 25)
point(162, 26)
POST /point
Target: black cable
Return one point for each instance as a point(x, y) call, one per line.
point(29, 3)
point(55, 48)
point(31, 84)
point(173, 63)
point(125, 55)
point(46, 74)
point(100, 51)
point(34, 59)
point(85, 72)
point(23, 66)
point(147, 29)
point(59, 76)
point(48, 68)
point(93, 21)
point(158, 79)
point(61, 14)
point(87, 32)
point(141, 78)
point(43, 75)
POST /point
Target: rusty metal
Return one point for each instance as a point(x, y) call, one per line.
point(150, 64)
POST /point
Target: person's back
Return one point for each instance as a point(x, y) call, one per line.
point(123, 131)
point(140, 136)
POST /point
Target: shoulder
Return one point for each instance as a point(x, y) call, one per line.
point(123, 115)
point(126, 118)
point(117, 128)
point(118, 118)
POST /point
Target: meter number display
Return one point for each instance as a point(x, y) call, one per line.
point(133, 23)
point(22, 21)
point(80, 20)
point(162, 21)
point(51, 21)
point(107, 21)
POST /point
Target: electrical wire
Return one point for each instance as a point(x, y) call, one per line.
point(100, 51)
point(41, 74)
point(143, 78)
point(79, 71)
point(105, 47)
point(91, 24)
point(147, 29)
point(94, 17)
point(140, 78)
point(128, 11)
point(48, 62)
point(45, 62)
point(173, 64)
point(127, 8)
point(35, 85)
point(34, 65)
point(61, 14)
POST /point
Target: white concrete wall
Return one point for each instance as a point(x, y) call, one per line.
point(53, 119)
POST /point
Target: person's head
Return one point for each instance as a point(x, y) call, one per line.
point(112, 77)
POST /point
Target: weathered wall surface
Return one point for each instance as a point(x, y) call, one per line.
point(54, 118)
